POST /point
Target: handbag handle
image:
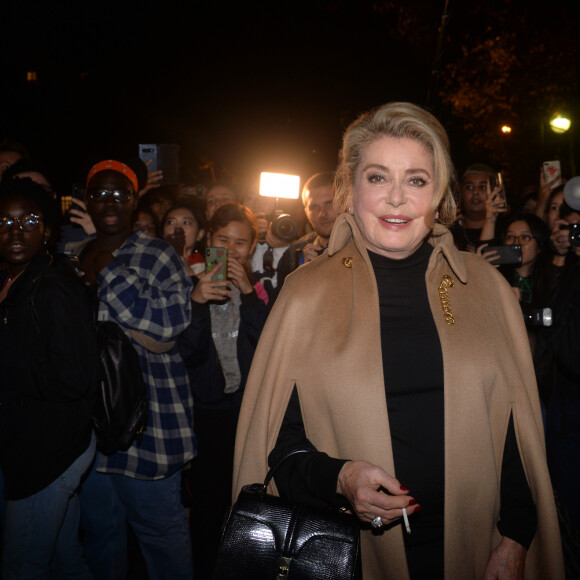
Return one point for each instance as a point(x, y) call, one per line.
point(270, 473)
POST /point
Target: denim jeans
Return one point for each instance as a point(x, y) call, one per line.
point(156, 514)
point(103, 527)
point(42, 531)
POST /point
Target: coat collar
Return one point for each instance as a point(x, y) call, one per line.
point(346, 230)
point(21, 286)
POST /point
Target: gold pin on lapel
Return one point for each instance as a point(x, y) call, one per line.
point(347, 262)
point(446, 282)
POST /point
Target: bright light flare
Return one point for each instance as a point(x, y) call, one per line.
point(506, 129)
point(560, 124)
point(279, 185)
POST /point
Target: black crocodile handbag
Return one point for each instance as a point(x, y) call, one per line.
point(267, 538)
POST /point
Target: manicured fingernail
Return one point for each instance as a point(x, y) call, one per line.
point(412, 501)
point(418, 508)
point(405, 489)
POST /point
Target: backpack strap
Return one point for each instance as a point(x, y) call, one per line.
point(151, 344)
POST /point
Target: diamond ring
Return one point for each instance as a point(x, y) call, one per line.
point(377, 523)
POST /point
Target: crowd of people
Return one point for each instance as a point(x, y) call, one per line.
point(385, 336)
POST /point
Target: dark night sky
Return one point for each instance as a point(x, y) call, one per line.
point(251, 87)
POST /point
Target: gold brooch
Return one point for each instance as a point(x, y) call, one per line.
point(347, 262)
point(446, 282)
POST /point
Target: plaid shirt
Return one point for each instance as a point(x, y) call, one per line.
point(147, 288)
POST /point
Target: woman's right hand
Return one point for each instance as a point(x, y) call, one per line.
point(360, 482)
point(207, 289)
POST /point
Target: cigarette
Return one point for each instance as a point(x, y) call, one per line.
point(406, 518)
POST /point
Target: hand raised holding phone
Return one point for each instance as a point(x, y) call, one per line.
point(495, 204)
point(207, 288)
point(497, 192)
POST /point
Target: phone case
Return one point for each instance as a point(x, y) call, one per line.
point(213, 257)
point(553, 170)
point(148, 152)
point(508, 254)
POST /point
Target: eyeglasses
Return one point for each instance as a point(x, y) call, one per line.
point(523, 240)
point(26, 223)
point(102, 195)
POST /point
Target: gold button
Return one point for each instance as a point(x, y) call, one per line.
point(347, 262)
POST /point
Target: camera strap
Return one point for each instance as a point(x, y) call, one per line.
point(268, 260)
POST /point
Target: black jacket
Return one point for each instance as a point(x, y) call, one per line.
point(201, 358)
point(290, 260)
point(48, 357)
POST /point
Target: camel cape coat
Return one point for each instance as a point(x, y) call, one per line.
point(323, 335)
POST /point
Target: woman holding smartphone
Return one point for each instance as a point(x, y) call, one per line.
point(183, 227)
point(218, 347)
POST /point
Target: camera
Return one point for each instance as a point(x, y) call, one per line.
point(573, 234)
point(284, 226)
point(539, 317)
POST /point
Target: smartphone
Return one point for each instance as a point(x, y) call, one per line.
point(553, 171)
point(164, 157)
point(78, 191)
point(213, 257)
point(177, 240)
point(148, 152)
point(508, 254)
point(496, 181)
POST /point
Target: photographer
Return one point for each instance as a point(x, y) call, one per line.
point(563, 258)
point(275, 233)
point(317, 198)
point(557, 362)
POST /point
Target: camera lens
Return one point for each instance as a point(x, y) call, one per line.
point(540, 317)
point(285, 228)
point(574, 235)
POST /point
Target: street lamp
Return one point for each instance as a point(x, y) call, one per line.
point(560, 123)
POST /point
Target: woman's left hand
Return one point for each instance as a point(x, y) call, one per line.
point(237, 275)
point(507, 561)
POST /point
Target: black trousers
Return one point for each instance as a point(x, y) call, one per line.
point(209, 484)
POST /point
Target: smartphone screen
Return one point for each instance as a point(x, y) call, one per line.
point(213, 257)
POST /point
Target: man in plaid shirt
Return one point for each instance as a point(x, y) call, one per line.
point(142, 285)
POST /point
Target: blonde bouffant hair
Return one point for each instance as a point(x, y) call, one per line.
point(398, 120)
